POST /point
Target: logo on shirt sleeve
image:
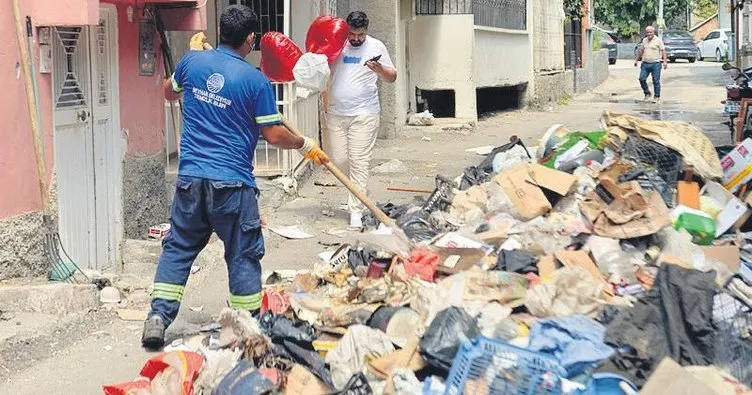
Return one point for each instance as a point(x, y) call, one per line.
point(215, 83)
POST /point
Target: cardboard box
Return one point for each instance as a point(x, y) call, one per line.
point(737, 166)
point(523, 184)
point(732, 209)
point(159, 231)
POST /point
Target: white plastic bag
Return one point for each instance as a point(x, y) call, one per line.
point(312, 71)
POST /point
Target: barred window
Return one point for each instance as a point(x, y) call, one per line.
point(505, 14)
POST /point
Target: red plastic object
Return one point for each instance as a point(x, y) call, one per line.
point(278, 56)
point(327, 36)
point(274, 301)
point(140, 385)
point(422, 263)
point(186, 362)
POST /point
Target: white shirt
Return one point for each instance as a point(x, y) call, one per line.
point(354, 91)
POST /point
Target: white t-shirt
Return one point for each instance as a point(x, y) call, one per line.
point(354, 90)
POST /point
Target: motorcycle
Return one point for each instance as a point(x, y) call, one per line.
point(735, 92)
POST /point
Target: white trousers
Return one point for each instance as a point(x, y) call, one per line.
point(349, 141)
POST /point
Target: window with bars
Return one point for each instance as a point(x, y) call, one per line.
point(505, 14)
point(271, 15)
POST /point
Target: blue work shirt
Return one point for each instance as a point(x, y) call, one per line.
point(225, 102)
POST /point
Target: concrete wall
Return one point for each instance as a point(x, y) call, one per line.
point(441, 58)
point(493, 45)
point(385, 21)
point(550, 87)
point(724, 14)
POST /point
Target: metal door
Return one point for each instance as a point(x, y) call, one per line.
point(74, 144)
point(107, 141)
point(88, 143)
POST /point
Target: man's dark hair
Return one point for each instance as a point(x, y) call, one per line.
point(357, 20)
point(235, 24)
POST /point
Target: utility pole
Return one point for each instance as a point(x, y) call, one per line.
point(661, 22)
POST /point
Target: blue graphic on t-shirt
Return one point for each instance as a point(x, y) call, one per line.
point(352, 59)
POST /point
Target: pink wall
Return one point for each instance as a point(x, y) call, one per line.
point(141, 98)
point(18, 172)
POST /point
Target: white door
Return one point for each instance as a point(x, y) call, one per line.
point(88, 147)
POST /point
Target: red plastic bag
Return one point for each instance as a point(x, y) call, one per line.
point(278, 56)
point(327, 36)
point(140, 386)
point(422, 263)
point(182, 368)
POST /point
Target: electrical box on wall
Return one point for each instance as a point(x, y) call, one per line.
point(44, 38)
point(147, 57)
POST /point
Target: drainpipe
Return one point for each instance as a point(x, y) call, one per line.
point(661, 22)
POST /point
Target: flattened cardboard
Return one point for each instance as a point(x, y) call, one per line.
point(523, 184)
point(669, 378)
point(468, 257)
point(729, 255)
point(301, 381)
point(546, 266)
point(582, 259)
point(656, 215)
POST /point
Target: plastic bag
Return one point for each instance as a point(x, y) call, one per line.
point(349, 357)
point(140, 386)
point(510, 158)
point(244, 379)
point(517, 261)
point(445, 335)
point(312, 71)
point(571, 291)
point(424, 118)
point(294, 340)
point(327, 36)
point(422, 263)
point(279, 54)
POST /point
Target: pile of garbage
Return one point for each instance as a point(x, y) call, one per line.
point(612, 261)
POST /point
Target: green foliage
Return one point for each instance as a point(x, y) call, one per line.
point(704, 8)
point(574, 8)
point(629, 17)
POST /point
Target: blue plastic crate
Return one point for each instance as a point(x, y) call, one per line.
point(486, 366)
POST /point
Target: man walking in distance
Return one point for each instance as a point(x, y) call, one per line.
point(353, 109)
point(227, 103)
point(652, 54)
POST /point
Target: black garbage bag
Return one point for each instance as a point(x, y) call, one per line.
point(417, 225)
point(360, 257)
point(517, 261)
point(244, 379)
point(673, 319)
point(472, 176)
point(293, 340)
point(445, 335)
point(390, 209)
point(486, 165)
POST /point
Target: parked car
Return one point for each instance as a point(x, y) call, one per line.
point(606, 41)
point(715, 44)
point(679, 45)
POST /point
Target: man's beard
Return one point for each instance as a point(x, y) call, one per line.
point(356, 43)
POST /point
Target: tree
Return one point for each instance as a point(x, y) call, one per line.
point(629, 17)
point(704, 8)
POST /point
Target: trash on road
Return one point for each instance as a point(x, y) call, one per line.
point(606, 261)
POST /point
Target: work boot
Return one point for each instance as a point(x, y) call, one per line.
point(154, 333)
point(648, 97)
point(657, 100)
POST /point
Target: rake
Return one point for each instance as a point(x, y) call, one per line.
point(60, 270)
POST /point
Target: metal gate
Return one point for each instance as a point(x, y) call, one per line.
point(572, 42)
point(302, 112)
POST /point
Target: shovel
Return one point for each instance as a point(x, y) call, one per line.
point(380, 215)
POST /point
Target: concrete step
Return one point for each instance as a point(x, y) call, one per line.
point(50, 298)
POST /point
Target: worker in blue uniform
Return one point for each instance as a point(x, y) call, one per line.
point(227, 104)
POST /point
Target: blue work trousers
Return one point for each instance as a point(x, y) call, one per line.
point(201, 206)
point(648, 69)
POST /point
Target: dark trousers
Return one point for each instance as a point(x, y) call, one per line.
point(653, 69)
point(201, 206)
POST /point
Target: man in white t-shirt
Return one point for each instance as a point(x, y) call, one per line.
point(353, 109)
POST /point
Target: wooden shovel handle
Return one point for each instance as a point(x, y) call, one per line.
point(32, 108)
point(383, 218)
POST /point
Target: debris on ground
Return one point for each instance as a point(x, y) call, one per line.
point(607, 261)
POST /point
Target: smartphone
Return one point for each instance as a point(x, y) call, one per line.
point(373, 59)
